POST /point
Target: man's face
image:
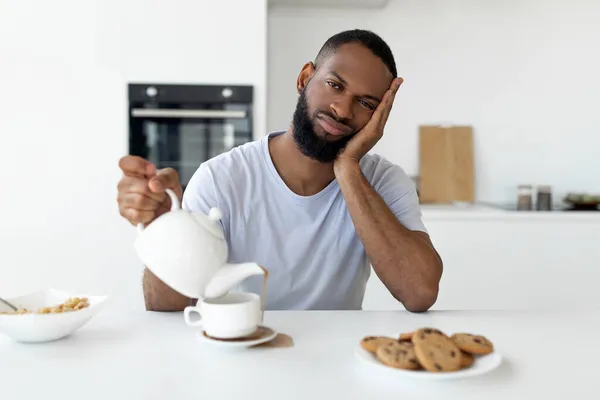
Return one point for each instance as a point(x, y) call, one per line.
point(337, 100)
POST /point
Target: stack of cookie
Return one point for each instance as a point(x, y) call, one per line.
point(428, 349)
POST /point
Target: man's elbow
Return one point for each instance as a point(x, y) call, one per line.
point(166, 303)
point(164, 307)
point(422, 300)
point(152, 305)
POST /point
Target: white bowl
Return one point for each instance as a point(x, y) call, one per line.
point(31, 328)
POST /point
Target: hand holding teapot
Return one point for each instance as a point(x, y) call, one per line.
point(186, 250)
point(142, 195)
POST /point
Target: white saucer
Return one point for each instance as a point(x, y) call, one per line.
point(268, 335)
point(482, 365)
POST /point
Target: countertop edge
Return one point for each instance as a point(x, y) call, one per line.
point(490, 213)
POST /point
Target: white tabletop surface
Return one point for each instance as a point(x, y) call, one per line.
point(144, 355)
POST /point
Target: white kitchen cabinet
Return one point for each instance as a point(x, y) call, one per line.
point(502, 260)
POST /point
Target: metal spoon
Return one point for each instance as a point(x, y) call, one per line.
point(8, 304)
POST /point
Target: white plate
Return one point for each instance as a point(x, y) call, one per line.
point(35, 328)
point(237, 343)
point(482, 365)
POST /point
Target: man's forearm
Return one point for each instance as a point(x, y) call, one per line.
point(160, 297)
point(404, 260)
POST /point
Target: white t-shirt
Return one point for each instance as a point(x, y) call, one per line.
point(308, 244)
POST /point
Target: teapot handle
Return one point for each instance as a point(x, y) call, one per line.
point(174, 207)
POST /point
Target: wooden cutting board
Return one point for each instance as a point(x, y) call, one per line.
point(446, 164)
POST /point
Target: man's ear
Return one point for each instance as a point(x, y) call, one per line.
point(308, 70)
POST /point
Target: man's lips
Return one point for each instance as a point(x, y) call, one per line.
point(333, 127)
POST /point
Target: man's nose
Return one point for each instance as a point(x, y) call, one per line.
point(342, 107)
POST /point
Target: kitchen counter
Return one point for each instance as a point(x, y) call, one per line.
point(493, 212)
point(500, 259)
point(142, 355)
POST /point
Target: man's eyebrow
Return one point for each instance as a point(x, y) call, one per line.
point(339, 77)
point(343, 81)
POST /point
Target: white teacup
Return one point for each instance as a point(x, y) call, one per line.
point(231, 316)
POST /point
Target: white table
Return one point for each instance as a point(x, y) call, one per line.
point(142, 355)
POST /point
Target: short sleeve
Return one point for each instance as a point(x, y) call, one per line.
point(400, 194)
point(201, 193)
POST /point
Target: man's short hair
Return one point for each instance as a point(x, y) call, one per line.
point(366, 38)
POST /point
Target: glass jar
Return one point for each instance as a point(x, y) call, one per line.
point(525, 197)
point(544, 198)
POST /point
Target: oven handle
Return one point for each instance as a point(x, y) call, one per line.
point(179, 113)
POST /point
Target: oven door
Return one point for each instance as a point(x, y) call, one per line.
point(183, 138)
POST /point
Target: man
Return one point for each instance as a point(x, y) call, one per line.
point(309, 203)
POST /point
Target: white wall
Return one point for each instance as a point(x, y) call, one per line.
point(524, 73)
point(64, 67)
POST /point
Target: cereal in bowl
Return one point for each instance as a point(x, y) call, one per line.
point(71, 304)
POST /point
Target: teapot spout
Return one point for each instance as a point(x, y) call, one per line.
point(230, 275)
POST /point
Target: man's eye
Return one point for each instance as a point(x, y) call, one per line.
point(334, 85)
point(366, 104)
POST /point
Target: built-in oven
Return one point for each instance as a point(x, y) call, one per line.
point(181, 126)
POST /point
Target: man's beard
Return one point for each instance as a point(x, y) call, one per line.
point(306, 138)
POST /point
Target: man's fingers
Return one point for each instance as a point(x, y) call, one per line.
point(136, 166)
point(137, 203)
point(137, 216)
point(140, 202)
point(398, 82)
point(139, 186)
point(388, 101)
point(166, 178)
point(392, 92)
point(379, 114)
point(141, 191)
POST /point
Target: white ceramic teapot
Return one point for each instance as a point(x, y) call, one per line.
point(188, 252)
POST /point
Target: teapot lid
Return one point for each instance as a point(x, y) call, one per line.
point(211, 222)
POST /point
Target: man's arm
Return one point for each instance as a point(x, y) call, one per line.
point(160, 297)
point(405, 260)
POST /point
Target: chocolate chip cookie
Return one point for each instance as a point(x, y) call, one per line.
point(398, 355)
point(473, 344)
point(467, 360)
point(426, 332)
point(435, 351)
point(371, 343)
point(407, 336)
